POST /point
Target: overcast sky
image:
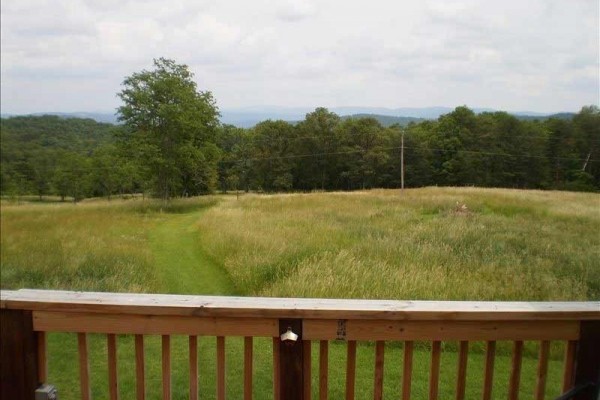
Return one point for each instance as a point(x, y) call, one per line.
point(537, 55)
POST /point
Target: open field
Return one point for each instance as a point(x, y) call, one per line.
point(506, 245)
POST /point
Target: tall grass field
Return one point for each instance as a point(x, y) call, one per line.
point(430, 243)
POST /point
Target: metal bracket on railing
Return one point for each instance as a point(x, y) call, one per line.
point(577, 390)
point(46, 392)
point(288, 335)
point(341, 329)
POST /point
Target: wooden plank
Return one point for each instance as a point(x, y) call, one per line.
point(84, 367)
point(379, 361)
point(350, 369)
point(515, 371)
point(542, 370)
point(18, 355)
point(42, 354)
point(320, 329)
point(193, 350)
point(407, 370)
point(248, 358)
point(434, 374)
point(166, 367)
point(588, 358)
point(307, 369)
point(323, 369)
point(140, 380)
point(220, 368)
point(152, 325)
point(276, 368)
point(266, 307)
point(569, 365)
point(291, 361)
point(488, 378)
point(111, 347)
point(461, 376)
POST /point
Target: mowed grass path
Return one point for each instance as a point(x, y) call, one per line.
point(182, 264)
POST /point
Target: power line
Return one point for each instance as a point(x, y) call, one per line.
point(309, 155)
point(292, 156)
point(547, 138)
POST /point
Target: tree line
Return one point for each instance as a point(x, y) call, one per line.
point(171, 144)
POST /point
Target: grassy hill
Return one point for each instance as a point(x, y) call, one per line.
point(432, 243)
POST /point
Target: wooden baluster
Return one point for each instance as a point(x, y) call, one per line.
point(193, 350)
point(248, 347)
point(276, 375)
point(166, 367)
point(19, 354)
point(291, 361)
point(42, 353)
point(113, 388)
point(542, 370)
point(407, 370)
point(587, 368)
point(140, 382)
point(434, 375)
point(323, 369)
point(515, 371)
point(569, 367)
point(350, 369)
point(307, 369)
point(379, 361)
point(461, 378)
point(488, 379)
point(84, 367)
point(220, 368)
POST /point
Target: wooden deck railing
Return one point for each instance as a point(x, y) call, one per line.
point(27, 315)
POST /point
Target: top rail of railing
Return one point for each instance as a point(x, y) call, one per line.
point(267, 307)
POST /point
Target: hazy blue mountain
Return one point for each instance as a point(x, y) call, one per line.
point(543, 117)
point(386, 120)
point(247, 117)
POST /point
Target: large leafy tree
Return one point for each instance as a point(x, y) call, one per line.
point(173, 127)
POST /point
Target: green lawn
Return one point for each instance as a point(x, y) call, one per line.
point(420, 244)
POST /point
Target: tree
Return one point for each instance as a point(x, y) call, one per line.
point(173, 126)
point(320, 136)
point(273, 142)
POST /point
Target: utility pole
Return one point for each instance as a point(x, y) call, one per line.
point(402, 162)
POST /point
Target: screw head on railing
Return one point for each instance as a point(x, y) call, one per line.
point(289, 336)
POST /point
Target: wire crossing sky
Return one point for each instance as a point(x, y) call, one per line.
point(525, 55)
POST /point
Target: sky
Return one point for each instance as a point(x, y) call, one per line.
point(524, 55)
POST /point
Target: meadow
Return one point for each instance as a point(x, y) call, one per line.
point(431, 243)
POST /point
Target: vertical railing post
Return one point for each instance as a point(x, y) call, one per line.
point(587, 368)
point(18, 355)
point(291, 362)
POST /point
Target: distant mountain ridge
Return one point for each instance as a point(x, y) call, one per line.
point(107, 118)
point(385, 120)
point(247, 117)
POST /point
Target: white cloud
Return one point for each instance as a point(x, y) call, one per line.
point(295, 10)
point(535, 54)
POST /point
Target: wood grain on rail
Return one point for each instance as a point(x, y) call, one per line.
point(111, 350)
point(193, 378)
point(84, 367)
point(262, 307)
point(140, 379)
point(322, 329)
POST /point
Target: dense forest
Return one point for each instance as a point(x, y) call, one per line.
point(78, 158)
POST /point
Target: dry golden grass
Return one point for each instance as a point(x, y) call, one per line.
point(420, 244)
